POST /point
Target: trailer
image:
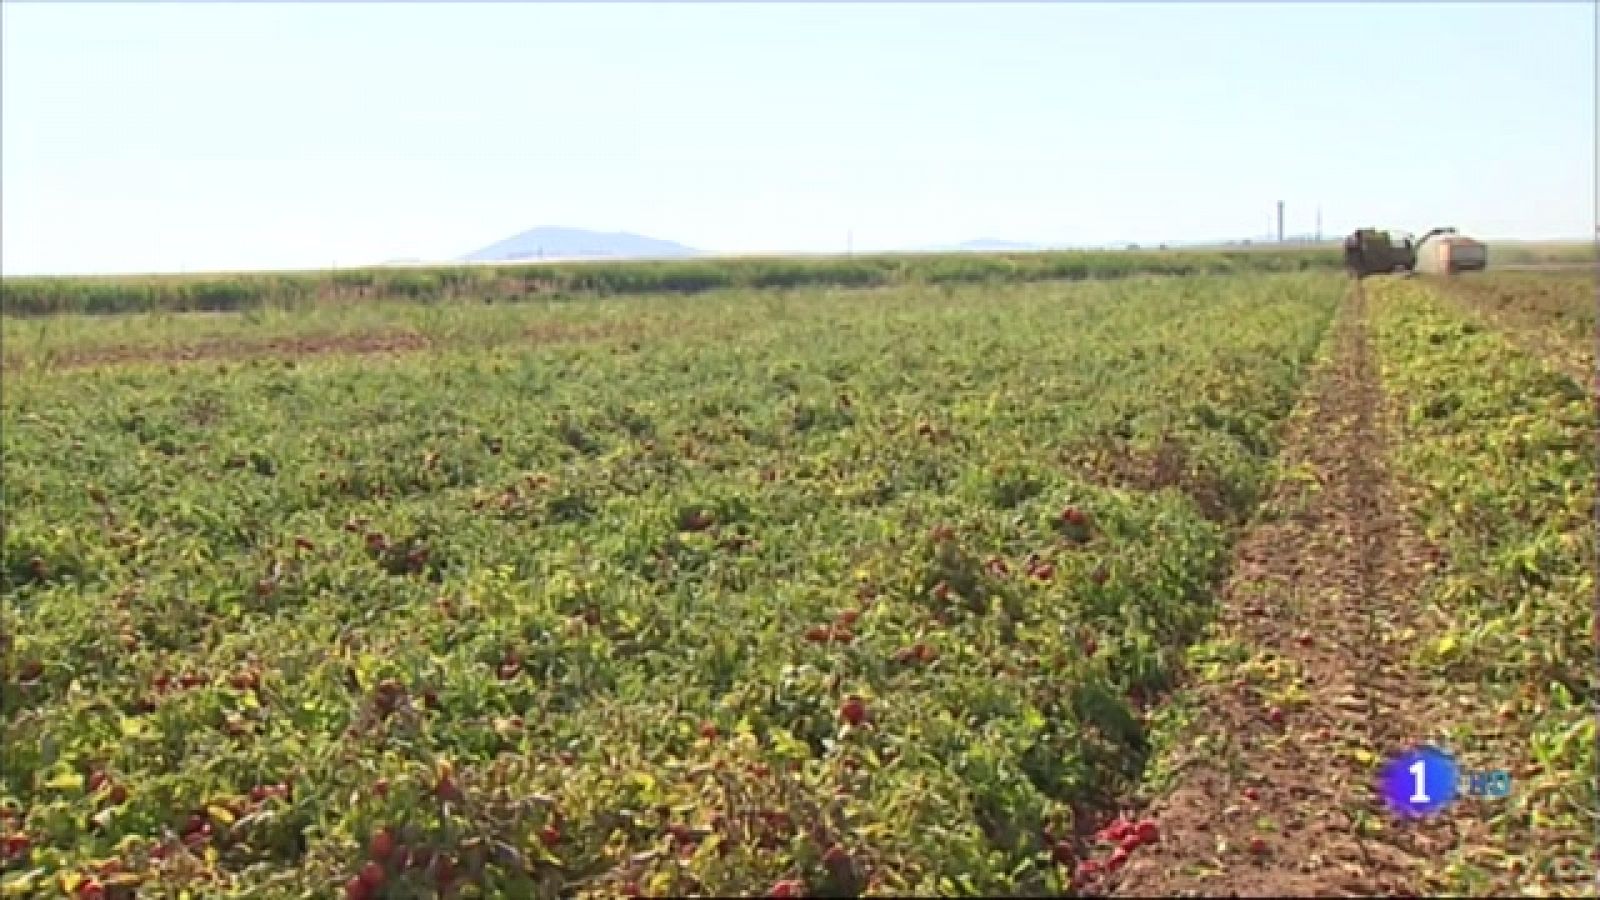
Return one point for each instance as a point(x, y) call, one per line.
point(1446, 252)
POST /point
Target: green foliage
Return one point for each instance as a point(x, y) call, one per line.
point(1506, 466)
point(537, 608)
point(1549, 314)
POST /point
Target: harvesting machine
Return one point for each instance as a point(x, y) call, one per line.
point(1369, 251)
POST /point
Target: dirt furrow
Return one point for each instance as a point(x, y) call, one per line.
point(1275, 791)
point(371, 343)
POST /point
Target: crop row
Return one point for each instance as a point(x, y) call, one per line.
point(876, 598)
point(1506, 471)
point(1551, 314)
point(232, 292)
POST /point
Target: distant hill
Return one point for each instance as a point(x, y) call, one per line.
point(576, 243)
point(994, 245)
point(981, 245)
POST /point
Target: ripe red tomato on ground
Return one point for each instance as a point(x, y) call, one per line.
point(1063, 853)
point(16, 845)
point(381, 847)
point(372, 875)
point(837, 858)
point(853, 711)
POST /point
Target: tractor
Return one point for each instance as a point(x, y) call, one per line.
point(1369, 251)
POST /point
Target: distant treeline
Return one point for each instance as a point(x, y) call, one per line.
point(243, 291)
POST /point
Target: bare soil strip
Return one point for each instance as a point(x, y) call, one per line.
point(237, 349)
point(230, 349)
point(1275, 791)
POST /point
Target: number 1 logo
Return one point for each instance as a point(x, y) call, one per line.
point(1419, 782)
point(1419, 772)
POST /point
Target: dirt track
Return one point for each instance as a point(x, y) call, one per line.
point(1321, 582)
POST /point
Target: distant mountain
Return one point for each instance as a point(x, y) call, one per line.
point(981, 245)
point(576, 243)
point(993, 245)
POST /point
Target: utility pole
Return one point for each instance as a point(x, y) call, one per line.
point(1280, 221)
point(1319, 224)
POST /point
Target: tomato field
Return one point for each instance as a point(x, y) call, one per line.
point(808, 591)
point(1507, 470)
point(1552, 314)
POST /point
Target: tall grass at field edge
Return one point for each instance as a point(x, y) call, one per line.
point(242, 291)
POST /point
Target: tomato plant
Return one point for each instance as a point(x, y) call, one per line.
point(854, 593)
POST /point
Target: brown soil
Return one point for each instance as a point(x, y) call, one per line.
point(1166, 464)
point(1321, 589)
point(234, 349)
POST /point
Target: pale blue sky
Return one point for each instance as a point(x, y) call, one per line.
point(210, 136)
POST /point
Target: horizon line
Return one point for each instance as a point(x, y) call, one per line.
point(1022, 247)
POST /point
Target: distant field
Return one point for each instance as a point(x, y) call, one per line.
point(544, 281)
point(1555, 253)
point(243, 291)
